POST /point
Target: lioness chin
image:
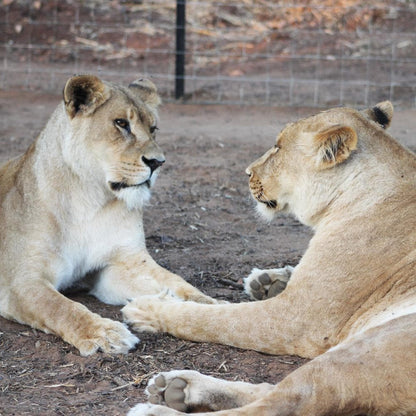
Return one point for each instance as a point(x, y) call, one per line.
point(350, 304)
point(72, 206)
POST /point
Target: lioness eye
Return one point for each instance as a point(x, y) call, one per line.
point(122, 123)
point(153, 129)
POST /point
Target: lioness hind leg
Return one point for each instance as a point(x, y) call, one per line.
point(190, 391)
point(264, 284)
point(131, 275)
point(349, 379)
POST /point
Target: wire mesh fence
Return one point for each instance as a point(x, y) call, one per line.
point(307, 53)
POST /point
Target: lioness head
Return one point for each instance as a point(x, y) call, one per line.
point(112, 140)
point(304, 171)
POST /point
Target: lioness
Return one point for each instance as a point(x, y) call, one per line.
point(72, 206)
point(350, 303)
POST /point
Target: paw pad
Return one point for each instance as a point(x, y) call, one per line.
point(262, 285)
point(264, 288)
point(170, 393)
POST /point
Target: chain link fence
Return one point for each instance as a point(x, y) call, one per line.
point(308, 53)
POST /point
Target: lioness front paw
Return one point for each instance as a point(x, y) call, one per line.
point(264, 284)
point(106, 336)
point(142, 314)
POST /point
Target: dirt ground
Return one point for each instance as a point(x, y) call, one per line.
point(201, 224)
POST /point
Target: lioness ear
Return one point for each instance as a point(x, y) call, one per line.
point(84, 94)
point(147, 91)
point(381, 113)
point(334, 145)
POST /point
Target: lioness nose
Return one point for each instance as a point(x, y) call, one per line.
point(152, 163)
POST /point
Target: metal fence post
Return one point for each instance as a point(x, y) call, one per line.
point(180, 49)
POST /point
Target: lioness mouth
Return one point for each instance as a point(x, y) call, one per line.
point(117, 186)
point(270, 204)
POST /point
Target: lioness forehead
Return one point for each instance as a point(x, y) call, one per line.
point(317, 122)
point(125, 99)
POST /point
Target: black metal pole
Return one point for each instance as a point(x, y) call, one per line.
point(180, 49)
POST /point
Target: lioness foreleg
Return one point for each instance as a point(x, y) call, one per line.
point(251, 325)
point(39, 305)
point(132, 274)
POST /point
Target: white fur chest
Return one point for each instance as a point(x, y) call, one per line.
point(89, 243)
